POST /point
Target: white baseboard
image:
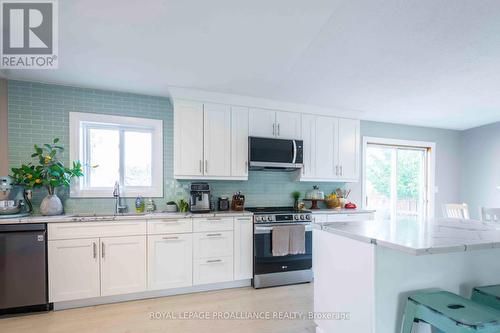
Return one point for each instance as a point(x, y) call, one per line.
point(149, 294)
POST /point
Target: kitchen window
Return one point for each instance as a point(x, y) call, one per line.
point(124, 149)
point(398, 178)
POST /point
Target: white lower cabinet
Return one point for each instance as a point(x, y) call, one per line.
point(73, 269)
point(243, 248)
point(170, 261)
point(213, 244)
point(123, 265)
point(213, 270)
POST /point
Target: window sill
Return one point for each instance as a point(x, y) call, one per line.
point(108, 193)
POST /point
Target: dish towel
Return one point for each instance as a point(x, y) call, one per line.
point(280, 241)
point(297, 239)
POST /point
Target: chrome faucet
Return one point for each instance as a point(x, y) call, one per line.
point(119, 207)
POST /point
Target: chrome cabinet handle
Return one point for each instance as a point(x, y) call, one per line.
point(94, 249)
point(102, 250)
point(274, 129)
point(341, 172)
point(278, 129)
point(213, 235)
point(213, 261)
point(336, 170)
point(173, 237)
point(213, 218)
point(246, 167)
point(206, 166)
point(201, 166)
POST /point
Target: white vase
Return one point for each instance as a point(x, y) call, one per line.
point(51, 205)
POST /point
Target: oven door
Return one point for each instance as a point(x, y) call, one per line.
point(268, 153)
point(265, 262)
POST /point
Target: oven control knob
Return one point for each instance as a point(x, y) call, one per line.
point(308, 217)
point(301, 217)
point(258, 218)
point(296, 217)
point(269, 218)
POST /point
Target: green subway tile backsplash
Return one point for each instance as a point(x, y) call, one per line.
point(40, 112)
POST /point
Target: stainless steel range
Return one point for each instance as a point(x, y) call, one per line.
point(269, 270)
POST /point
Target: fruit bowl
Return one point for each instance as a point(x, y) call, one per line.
point(332, 203)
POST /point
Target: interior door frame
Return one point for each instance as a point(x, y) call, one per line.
point(431, 166)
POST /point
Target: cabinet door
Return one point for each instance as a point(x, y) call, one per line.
point(326, 151)
point(243, 248)
point(309, 138)
point(239, 141)
point(349, 149)
point(123, 265)
point(262, 122)
point(170, 261)
point(188, 138)
point(73, 269)
point(217, 140)
point(287, 125)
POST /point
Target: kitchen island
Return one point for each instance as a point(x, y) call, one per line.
point(364, 271)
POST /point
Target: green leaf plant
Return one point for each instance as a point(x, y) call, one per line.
point(48, 171)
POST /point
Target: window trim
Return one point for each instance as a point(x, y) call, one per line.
point(76, 145)
point(431, 166)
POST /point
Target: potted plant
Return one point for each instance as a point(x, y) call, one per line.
point(50, 173)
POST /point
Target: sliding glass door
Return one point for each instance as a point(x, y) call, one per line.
point(396, 181)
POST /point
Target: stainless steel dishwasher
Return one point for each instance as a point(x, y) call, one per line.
point(23, 268)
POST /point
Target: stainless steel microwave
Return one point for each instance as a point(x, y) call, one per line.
point(275, 154)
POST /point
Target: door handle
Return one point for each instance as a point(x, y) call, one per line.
point(102, 250)
point(274, 129)
point(94, 249)
point(336, 170)
point(206, 166)
point(213, 261)
point(201, 166)
point(341, 171)
point(278, 129)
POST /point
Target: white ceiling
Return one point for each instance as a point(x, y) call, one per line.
point(422, 62)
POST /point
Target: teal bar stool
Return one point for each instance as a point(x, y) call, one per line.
point(450, 313)
point(488, 295)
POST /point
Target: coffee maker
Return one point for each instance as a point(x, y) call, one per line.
point(15, 201)
point(199, 199)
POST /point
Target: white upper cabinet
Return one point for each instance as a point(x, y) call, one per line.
point(239, 141)
point(217, 140)
point(349, 149)
point(262, 123)
point(326, 147)
point(274, 124)
point(287, 125)
point(203, 141)
point(188, 139)
point(331, 149)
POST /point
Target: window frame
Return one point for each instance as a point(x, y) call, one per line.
point(430, 160)
point(77, 133)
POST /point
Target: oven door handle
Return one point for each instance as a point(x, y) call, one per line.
point(268, 229)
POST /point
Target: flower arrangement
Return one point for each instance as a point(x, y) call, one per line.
point(50, 173)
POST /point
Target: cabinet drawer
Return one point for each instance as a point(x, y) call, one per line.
point(212, 224)
point(95, 229)
point(213, 270)
point(213, 244)
point(156, 227)
point(350, 217)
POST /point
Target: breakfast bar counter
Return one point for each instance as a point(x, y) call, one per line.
point(368, 269)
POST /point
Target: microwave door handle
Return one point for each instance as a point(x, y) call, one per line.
point(294, 151)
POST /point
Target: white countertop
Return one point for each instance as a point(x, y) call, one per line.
point(119, 217)
point(341, 211)
point(428, 237)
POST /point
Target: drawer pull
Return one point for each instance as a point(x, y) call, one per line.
point(214, 235)
point(103, 253)
point(213, 261)
point(94, 248)
point(214, 218)
point(244, 219)
point(170, 238)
